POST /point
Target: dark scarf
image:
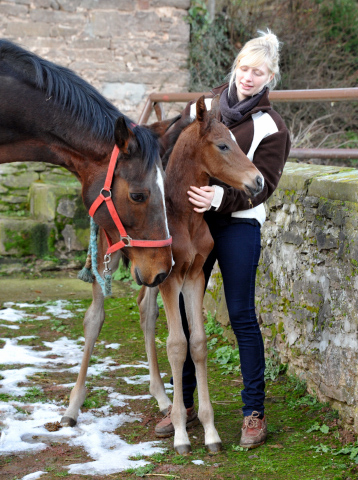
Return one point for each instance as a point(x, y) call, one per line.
point(232, 110)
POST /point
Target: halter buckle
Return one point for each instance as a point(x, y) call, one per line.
point(107, 259)
point(127, 240)
point(108, 190)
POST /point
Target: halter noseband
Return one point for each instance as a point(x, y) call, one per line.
point(126, 240)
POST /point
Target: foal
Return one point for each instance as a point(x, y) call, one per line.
point(206, 148)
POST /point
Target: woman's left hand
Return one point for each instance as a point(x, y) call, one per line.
point(201, 198)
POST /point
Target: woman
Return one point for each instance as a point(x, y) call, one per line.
point(235, 220)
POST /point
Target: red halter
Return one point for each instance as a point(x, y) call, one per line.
point(126, 240)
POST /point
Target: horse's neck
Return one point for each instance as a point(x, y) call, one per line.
point(183, 171)
point(31, 133)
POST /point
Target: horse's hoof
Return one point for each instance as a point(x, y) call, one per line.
point(214, 448)
point(68, 422)
point(182, 449)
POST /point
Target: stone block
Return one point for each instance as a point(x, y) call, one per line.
point(19, 237)
point(44, 199)
point(296, 176)
point(28, 29)
point(341, 185)
point(13, 10)
point(120, 5)
point(75, 239)
point(131, 92)
point(66, 207)
point(21, 180)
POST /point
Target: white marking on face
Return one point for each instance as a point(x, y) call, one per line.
point(160, 183)
point(233, 136)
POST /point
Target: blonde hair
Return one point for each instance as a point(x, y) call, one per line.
point(259, 50)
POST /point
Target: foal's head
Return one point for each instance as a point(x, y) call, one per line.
point(220, 155)
point(138, 195)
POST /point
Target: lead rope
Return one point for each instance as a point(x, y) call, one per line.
point(90, 270)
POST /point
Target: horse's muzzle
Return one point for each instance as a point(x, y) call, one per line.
point(159, 278)
point(257, 186)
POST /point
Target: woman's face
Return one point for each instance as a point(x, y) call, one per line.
point(251, 80)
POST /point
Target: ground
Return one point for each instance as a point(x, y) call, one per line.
point(40, 348)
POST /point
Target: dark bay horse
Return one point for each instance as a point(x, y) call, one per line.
point(206, 148)
point(49, 114)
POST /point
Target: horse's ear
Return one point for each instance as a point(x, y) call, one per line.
point(215, 108)
point(201, 112)
point(122, 134)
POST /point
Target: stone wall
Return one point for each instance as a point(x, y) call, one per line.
point(307, 284)
point(126, 49)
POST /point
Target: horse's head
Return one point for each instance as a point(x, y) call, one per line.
point(137, 192)
point(221, 155)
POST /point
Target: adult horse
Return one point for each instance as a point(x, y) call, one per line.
point(49, 114)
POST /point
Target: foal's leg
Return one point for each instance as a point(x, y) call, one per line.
point(193, 298)
point(149, 312)
point(176, 348)
point(93, 322)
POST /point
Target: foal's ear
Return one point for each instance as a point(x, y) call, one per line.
point(201, 111)
point(122, 134)
point(215, 108)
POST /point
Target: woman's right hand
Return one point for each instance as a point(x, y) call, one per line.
point(201, 197)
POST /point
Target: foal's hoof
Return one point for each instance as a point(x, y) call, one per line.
point(68, 422)
point(182, 449)
point(214, 448)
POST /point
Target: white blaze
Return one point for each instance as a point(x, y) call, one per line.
point(160, 183)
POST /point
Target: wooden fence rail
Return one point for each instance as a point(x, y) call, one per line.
point(155, 101)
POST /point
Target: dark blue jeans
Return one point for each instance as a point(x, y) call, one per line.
point(237, 249)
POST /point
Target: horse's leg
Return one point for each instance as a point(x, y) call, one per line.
point(93, 322)
point(149, 312)
point(177, 349)
point(193, 298)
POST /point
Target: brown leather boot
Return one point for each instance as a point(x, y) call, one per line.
point(165, 428)
point(254, 431)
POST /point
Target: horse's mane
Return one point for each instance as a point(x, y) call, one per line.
point(178, 125)
point(74, 94)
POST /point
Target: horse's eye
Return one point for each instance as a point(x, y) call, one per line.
point(223, 147)
point(137, 197)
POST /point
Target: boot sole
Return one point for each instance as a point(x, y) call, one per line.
point(190, 424)
point(253, 445)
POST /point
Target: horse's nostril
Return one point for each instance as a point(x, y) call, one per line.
point(159, 279)
point(137, 277)
point(259, 183)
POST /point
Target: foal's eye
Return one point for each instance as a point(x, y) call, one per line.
point(223, 147)
point(137, 197)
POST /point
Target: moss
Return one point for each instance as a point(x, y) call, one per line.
point(273, 331)
point(19, 241)
point(52, 241)
point(80, 219)
point(39, 240)
point(218, 281)
point(280, 327)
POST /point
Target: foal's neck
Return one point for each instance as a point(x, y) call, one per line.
point(185, 169)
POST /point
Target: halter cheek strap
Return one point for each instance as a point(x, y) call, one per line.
point(106, 196)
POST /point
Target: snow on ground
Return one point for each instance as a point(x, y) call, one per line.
point(23, 423)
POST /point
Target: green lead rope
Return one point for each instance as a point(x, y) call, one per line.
point(90, 271)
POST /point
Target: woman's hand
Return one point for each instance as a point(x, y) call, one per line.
point(201, 198)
